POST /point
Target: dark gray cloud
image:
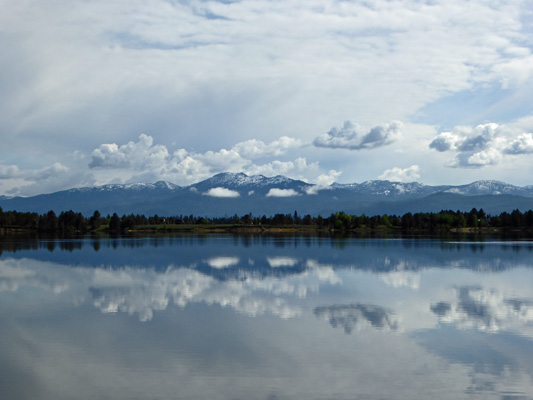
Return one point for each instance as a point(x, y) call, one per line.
point(352, 137)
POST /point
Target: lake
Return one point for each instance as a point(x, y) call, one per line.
point(266, 317)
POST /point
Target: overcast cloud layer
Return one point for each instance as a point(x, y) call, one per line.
point(109, 92)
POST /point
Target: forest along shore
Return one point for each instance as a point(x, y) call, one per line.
point(70, 222)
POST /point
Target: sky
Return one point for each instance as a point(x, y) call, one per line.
point(97, 92)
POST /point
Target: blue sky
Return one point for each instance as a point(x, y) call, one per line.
point(138, 91)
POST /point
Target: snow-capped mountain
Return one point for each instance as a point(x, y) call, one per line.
point(490, 188)
point(417, 190)
point(243, 183)
point(237, 193)
point(389, 189)
point(134, 187)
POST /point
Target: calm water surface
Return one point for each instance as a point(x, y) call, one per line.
point(224, 317)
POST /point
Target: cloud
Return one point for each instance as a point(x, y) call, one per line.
point(397, 174)
point(329, 178)
point(323, 182)
point(276, 262)
point(445, 141)
point(399, 279)
point(484, 309)
point(482, 145)
point(275, 192)
point(297, 169)
point(142, 154)
point(351, 136)
point(522, 145)
point(464, 138)
point(48, 179)
point(145, 155)
point(48, 172)
point(144, 161)
point(480, 159)
point(8, 171)
point(223, 262)
point(358, 317)
point(221, 192)
point(256, 148)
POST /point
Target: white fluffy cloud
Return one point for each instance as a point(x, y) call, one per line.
point(329, 178)
point(223, 262)
point(323, 182)
point(144, 155)
point(353, 137)
point(147, 161)
point(483, 145)
point(397, 174)
point(222, 192)
point(276, 192)
point(140, 155)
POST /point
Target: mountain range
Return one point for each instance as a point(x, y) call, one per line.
point(227, 194)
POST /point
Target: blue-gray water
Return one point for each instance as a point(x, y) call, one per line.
point(223, 317)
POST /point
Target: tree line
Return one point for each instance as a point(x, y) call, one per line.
point(70, 222)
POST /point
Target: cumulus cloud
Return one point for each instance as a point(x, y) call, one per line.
point(464, 138)
point(397, 174)
point(222, 192)
point(522, 145)
point(275, 192)
point(323, 182)
point(481, 158)
point(351, 136)
point(329, 178)
point(482, 145)
point(145, 161)
point(445, 141)
point(138, 155)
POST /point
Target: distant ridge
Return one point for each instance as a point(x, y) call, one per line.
point(237, 193)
